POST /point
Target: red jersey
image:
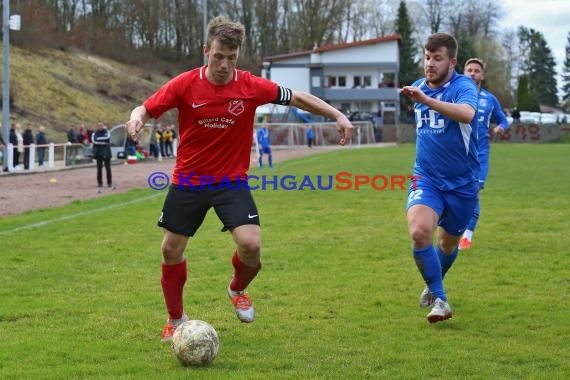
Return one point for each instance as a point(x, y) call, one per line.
point(215, 123)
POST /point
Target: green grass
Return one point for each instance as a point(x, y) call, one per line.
point(337, 296)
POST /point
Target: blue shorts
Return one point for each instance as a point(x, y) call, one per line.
point(265, 149)
point(454, 207)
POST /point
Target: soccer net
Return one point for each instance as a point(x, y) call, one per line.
point(291, 135)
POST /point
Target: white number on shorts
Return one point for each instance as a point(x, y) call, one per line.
point(415, 195)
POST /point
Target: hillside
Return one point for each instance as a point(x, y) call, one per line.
point(56, 89)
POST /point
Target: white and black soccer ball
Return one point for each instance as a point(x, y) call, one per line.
point(195, 343)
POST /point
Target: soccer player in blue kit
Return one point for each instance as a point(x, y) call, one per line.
point(489, 110)
point(446, 159)
point(264, 146)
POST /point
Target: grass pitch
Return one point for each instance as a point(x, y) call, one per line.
point(338, 294)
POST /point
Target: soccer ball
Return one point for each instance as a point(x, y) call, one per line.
point(195, 343)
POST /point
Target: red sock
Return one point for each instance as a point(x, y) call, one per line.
point(243, 274)
point(173, 280)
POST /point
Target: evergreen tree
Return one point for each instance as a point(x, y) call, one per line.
point(409, 64)
point(539, 65)
point(526, 99)
point(566, 76)
point(465, 50)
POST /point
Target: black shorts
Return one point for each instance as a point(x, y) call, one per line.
point(184, 209)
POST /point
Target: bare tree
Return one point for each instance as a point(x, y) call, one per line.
point(370, 19)
point(509, 43)
point(318, 19)
point(435, 12)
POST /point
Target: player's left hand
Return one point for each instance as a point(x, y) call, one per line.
point(499, 130)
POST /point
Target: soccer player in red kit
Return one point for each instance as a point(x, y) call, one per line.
point(216, 109)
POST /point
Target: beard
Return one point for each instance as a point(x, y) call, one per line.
point(437, 78)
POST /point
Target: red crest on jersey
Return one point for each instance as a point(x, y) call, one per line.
point(236, 107)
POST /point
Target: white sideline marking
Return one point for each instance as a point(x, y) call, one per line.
point(50, 221)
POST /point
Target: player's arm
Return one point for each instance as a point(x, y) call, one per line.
point(312, 104)
point(460, 112)
point(498, 116)
point(139, 117)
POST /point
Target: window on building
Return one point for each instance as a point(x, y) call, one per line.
point(362, 81)
point(335, 81)
point(316, 81)
point(357, 81)
point(331, 81)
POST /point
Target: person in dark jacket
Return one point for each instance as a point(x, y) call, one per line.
point(71, 135)
point(28, 140)
point(13, 139)
point(41, 140)
point(101, 139)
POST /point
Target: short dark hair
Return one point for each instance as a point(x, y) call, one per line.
point(227, 32)
point(438, 40)
point(478, 61)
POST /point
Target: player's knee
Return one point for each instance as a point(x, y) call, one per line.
point(448, 247)
point(250, 246)
point(171, 252)
point(421, 236)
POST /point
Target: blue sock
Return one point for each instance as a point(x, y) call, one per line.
point(430, 269)
point(445, 260)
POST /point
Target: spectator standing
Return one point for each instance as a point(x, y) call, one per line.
point(28, 139)
point(153, 143)
point(160, 139)
point(167, 136)
point(81, 136)
point(17, 141)
point(71, 135)
point(516, 115)
point(41, 140)
point(102, 152)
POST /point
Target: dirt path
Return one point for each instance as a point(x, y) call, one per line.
point(31, 191)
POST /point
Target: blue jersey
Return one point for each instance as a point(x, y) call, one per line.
point(263, 137)
point(489, 110)
point(446, 150)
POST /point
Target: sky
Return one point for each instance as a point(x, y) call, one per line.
point(550, 17)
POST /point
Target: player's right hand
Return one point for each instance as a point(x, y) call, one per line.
point(133, 128)
point(345, 129)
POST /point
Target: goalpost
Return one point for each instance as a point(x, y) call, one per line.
point(294, 135)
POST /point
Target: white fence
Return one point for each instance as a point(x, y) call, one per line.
point(55, 155)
